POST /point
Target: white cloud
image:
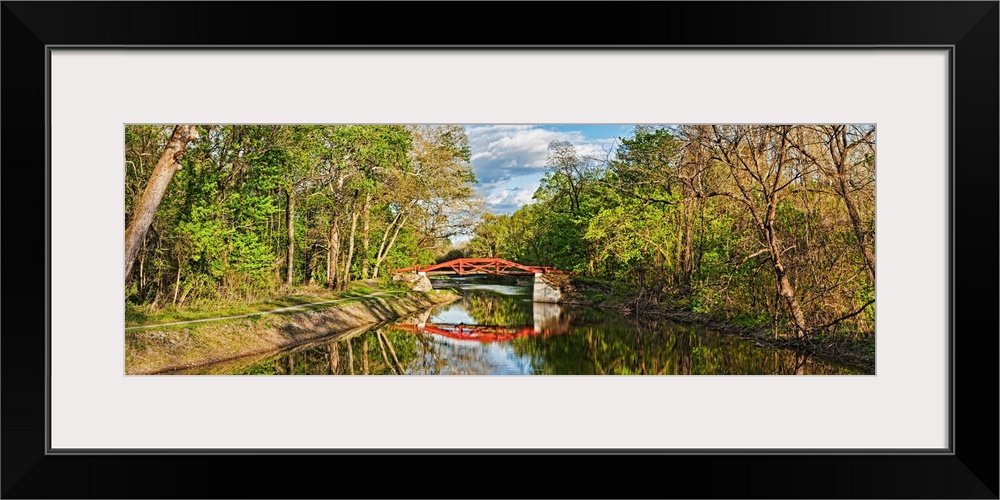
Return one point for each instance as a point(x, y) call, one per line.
point(504, 196)
point(504, 151)
point(509, 160)
point(516, 196)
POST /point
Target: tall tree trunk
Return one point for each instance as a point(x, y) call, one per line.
point(839, 147)
point(291, 237)
point(350, 250)
point(365, 238)
point(383, 252)
point(689, 241)
point(307, 268)
point(333, 253)
point(701, 237)
point(859, 230)
point(784, 285)
point(764, 219)
point(381, 246)
point(177, 284)
point(841, 159)
point(685, 247)
point(679, 255)
point(142, 276)
point(145, 210)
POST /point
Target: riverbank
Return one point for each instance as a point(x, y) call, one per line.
point(860, 354)
point(629, 301)
point(189, 343)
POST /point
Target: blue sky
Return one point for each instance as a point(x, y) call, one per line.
point(509, 160)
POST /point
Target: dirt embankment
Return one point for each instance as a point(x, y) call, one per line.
point(155, 350)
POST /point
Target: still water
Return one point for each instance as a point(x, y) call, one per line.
point(496, 329)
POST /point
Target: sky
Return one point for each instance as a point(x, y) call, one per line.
point(509, 160)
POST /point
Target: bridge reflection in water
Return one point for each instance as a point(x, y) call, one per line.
point(548, 320)
point(498, 330)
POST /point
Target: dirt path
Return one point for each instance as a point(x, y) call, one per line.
point(261, 313)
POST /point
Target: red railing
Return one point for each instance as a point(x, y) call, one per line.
point(479, 266)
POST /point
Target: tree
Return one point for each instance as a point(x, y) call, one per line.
point(145, 210)
point(258, 207)
point(301, 153)
point(434, 195)
point(567, 171)
point(650, 172)
point(362, 159)
point(760, 164)
point(751, 224)
point(849, 148)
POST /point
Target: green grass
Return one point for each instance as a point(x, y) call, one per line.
point(143, 314)
point(389, 284)
point(136, 315)
point(357, 291)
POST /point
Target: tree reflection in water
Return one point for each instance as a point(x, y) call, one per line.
point(501, 333)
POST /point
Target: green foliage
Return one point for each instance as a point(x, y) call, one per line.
point(221, 232)
point(696, 214)
point(670, 217)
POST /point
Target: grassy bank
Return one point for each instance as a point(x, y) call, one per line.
point(145, 314)
point(854, 349)
point(257, 329)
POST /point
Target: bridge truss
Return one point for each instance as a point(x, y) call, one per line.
point(479, 266)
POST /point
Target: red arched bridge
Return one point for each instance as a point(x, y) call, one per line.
point(479, 266)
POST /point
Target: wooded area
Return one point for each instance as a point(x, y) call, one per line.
point(763, 225)
point(254, 209)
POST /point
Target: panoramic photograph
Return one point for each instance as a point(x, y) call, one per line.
point(499, 249)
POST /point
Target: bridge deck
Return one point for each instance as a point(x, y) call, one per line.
point(478, 266)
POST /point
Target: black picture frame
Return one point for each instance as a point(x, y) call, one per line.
point(968, 29)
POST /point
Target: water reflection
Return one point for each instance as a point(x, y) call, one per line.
point(548, 320)
point(495, 329)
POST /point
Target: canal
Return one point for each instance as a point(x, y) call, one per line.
point(496, 329)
